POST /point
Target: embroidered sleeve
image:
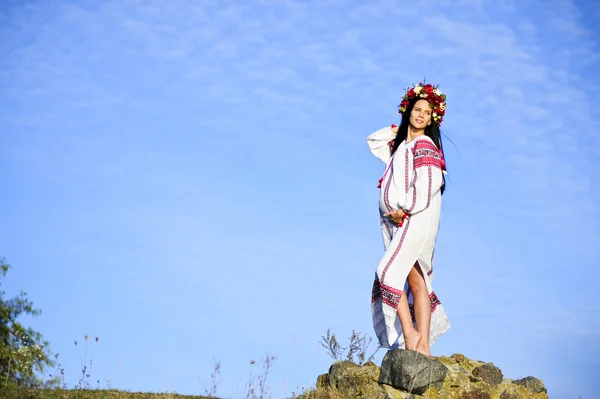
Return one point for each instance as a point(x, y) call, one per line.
point(427, 176)
point(379, 143)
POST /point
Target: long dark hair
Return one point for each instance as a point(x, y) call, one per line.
point(432, 131)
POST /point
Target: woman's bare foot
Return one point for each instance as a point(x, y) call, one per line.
point(423, 348)
point(411, 340)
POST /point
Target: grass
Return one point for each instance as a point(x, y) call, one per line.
point(60, 393)
point(87, 388)
point(256, 386)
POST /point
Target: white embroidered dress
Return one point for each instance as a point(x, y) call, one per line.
point(412, 181)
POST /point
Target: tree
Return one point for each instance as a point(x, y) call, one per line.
point(23, 353)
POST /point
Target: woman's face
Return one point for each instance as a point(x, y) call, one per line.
point(420, 116)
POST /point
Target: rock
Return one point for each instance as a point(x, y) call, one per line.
point(508, 395)
point(532, 384)
point(488, 373)
point(457, 377)
point(338, 371)
point(510, 390)
point(353, 381)
point(322, 381)
point(465, 362)
point(393, 393)
point(448, 361)
point(411, 371)
point(474, 393)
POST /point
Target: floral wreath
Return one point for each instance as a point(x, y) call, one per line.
point(436, 98)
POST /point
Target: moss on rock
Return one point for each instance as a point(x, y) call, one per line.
point(353, 381)
point(322, 381)
point(393, 393)
point(465, 362)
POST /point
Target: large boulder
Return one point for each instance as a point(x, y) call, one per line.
point(411, 371)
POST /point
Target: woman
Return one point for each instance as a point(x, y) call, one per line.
point(406, 311)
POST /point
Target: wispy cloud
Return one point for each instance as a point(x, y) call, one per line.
point(221, 145)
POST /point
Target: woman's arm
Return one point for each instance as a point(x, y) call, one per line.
point(378, 142)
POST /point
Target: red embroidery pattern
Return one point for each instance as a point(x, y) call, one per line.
point(386, 199)
point(384, 174)
point(391, 145)
point(376, 293)
point(429, 187)
point(396, 251)
point(414, 187)
point(433, 300)
point(426, 154)
point(389, 295)
point(406, 170)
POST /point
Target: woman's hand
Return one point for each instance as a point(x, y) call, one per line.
point(397, 216)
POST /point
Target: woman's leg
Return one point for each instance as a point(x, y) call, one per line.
point(422, 307)
point(411, 336)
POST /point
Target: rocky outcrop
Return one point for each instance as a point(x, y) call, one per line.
point(409, 374)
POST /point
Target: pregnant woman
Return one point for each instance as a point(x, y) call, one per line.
point(406, 311)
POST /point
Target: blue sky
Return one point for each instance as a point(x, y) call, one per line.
point(190, 181)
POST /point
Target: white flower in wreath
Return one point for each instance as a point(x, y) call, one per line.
point(418, 89)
